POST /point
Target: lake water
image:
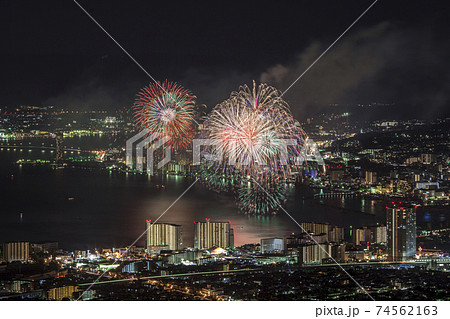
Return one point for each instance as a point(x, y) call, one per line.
point(83, 208)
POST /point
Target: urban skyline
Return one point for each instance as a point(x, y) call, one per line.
point(222, 152)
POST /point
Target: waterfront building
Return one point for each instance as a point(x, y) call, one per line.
point(162, 234)
point(401, 233)
point(213, 234)
point(272, 245)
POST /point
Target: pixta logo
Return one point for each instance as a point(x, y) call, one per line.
point(235, 153)
point(140, 143)
point(143, 146)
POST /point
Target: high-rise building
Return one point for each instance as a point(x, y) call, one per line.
point(315, 228)
point(336, 234)
point(17, 251)
point(162, 234)
point(336, 175)
point(272, 245)
point(59, 148)
point(338, 252)
point(359, 236)
point(330, 233)
point(371, 177)
point(60, 293)
point(369, 234)
point(45, 247)
point(213, 234)
point(313, 253)
point(380, 234)
point(401, 233)
point(427, 158)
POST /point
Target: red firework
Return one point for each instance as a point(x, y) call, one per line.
point(167, 109)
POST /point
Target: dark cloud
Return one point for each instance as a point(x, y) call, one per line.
point(95, 89)
point(107, 84)
point(213, 85)
point(381, 63)
point(388, 63)
point(92, 94)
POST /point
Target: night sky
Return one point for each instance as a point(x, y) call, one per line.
point(53, 54)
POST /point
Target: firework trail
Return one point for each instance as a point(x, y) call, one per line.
point(253, 200)
point(215, 180)
point(167, 109)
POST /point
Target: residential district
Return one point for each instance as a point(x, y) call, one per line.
point(402, 163)
point(384, 259)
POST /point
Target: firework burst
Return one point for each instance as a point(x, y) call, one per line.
point(254, 143)
point(255, 132)
point(167, 109)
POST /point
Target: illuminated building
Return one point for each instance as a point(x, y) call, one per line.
point(20, 286)
point(272, 245)
point(313, 253)
point(332, 233)
point(110, 119)
point(359, 236)
point(213, 234)
point(59, 148)
point(372, 234)
point(338, 252)
point(371, 177)
point(62, 292)
point(336, 234)
point(316, 233)
point(44, 247)
point(185, 257)
point(80, 254)
point(161, 234)
point(427, 158)
point(427, 185)
point(135, 266)
point(156, 249)
point(379, 234)
point(336, 175)
point(358, 255)
point(412, 160)
point(17, 251)
point(401, 233)
point(84, 295)
point(315, 228)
